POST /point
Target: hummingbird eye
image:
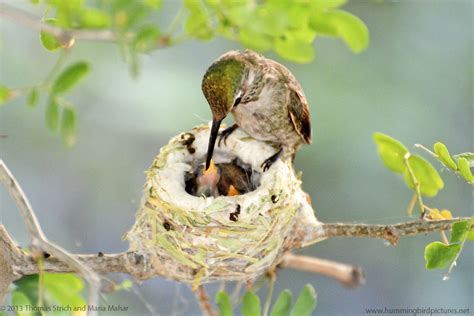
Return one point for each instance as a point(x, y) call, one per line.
point(237, 101)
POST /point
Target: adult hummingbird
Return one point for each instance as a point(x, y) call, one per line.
point(266, 100)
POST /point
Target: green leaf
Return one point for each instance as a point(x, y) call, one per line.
point(306, 302)
point(154, 4)
point(439, 255)
point(250, 305)
point(426, 175)
point(391, 151)
point(21, 299)
point(270, 19)
point(198, 25)
point(64, 288)
point(224, 304)
point(470, 235)
point(69, 77)
point(49, 41)
point(147, 38)
point(464, 170)
point(459, 231)
point(92, 18)
point(468, 156)
point(60, 289)
point(68, 127)
point(343, 24)
point(52, 114)
point(327, 4)
point(125, 285)
point(254, 40)
point(5, 94)
point(32, 97)
point(443, 155)
point(282, 304)
point(294, 49)
point(28, 285)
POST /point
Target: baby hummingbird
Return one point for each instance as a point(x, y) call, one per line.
point(207, 180)
point(265, 99)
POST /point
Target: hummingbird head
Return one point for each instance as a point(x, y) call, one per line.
point(221, 86)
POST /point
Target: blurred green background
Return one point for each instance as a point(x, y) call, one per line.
point(414, 83)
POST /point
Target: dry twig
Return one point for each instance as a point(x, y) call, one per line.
point(38, 239)
point(14, 262)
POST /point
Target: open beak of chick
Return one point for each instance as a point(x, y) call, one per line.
point(206, 182)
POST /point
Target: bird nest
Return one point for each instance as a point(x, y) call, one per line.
point(198, 239)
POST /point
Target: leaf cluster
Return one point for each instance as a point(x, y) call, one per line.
point(303, 306)
point(421, 176)
point(287, 27)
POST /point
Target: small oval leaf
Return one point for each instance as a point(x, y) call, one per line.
point(306, 302)
point(21, 302)
point(443, 155)
point(391, 151)
point(52, 114)
point(250, 305)
point(347, 26)
point(49, 41)
point(5, 94)
point(32, 97)
point(147, 38)
point(224, 304)
point(469, 156)
point(282, 304)
point(68, 127)
point(464, 170)
point(459, 231)
point(439, 255)
point(92, 18)
point(69, 77)
point(426, 175)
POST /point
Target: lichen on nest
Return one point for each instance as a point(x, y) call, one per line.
point(197, 239)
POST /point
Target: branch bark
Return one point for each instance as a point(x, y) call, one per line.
point(135, 265)
point(390, 233)
point(40, 243)
point(14, 262)
point(349, 275)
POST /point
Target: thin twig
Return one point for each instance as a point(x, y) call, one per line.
point(268, 298)
point(390, 233)
point(34, 22)
point(350, 276)
point(416, 183)
point(136, 265)
point(39, 240)
point(204, 302)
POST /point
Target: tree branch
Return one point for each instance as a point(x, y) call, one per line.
point(350, 276)
point(136, 265)
point(38, 239)
point(35, 23)
point(390, 233)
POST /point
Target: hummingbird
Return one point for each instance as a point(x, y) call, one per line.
point(265, 99)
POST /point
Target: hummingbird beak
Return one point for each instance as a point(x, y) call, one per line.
point(212, 140)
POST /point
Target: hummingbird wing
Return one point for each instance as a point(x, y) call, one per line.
point(297, 105)
point(299, 113)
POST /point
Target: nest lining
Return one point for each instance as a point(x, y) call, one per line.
point(196, 239)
